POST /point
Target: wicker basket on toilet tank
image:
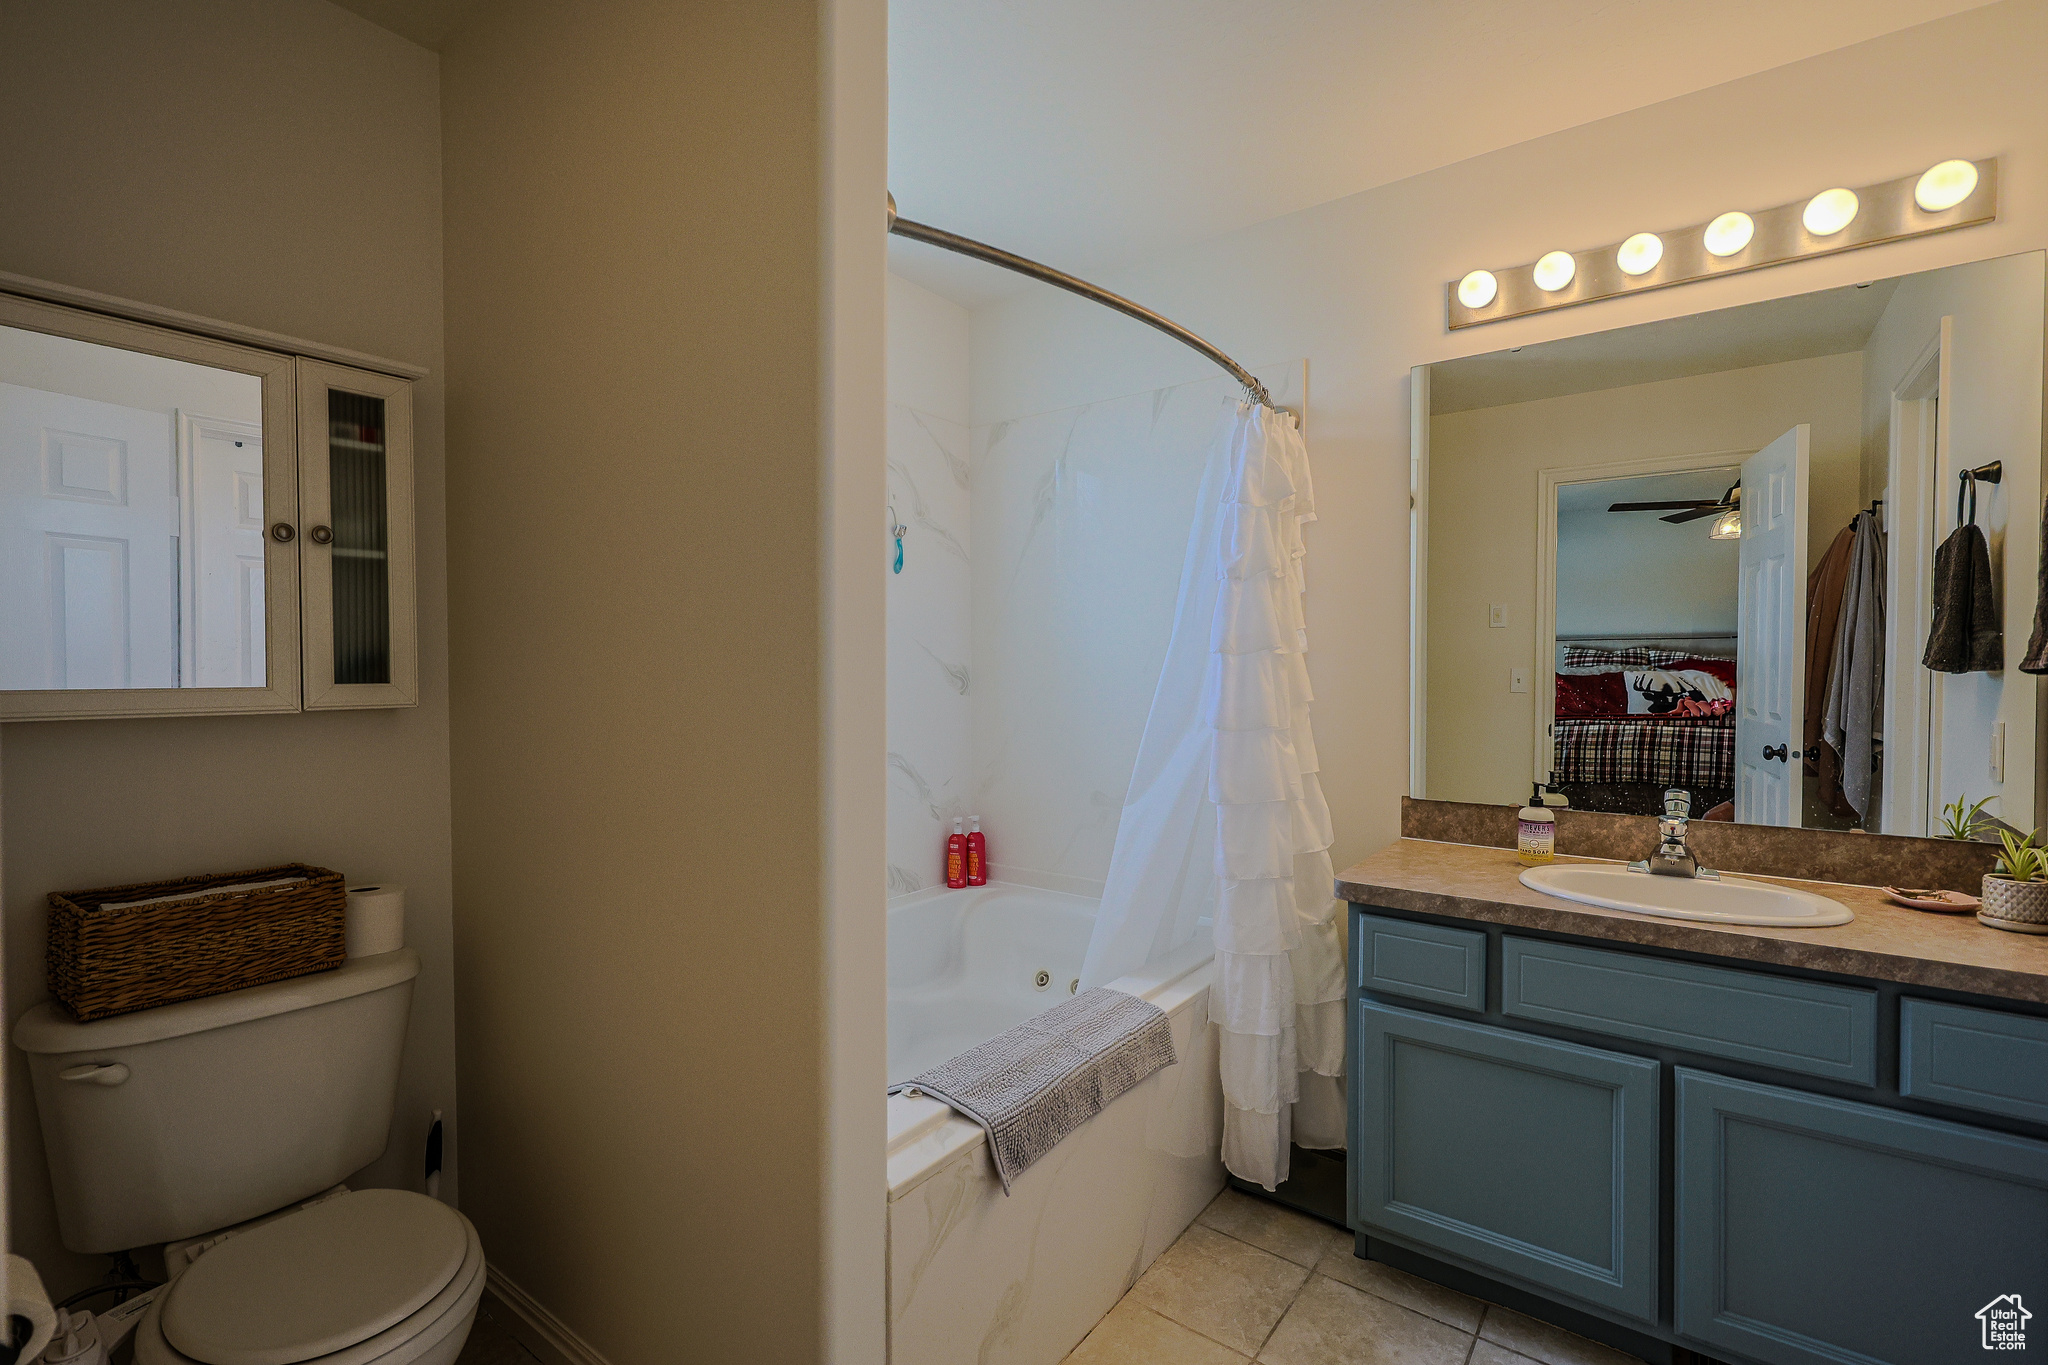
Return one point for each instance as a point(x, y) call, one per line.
point(126, 948)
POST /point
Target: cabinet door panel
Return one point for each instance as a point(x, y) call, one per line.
point(1816, 1229)
point(355, 453)
point(1530, 1157)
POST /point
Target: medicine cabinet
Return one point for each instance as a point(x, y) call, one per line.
point(191, 525)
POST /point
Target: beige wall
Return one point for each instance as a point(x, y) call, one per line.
point(1483, 516)
point(1357, 286)
point(1993, 410)
point(668, 773)
point(278, 165)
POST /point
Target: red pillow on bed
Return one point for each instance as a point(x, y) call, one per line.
point(1584, 696)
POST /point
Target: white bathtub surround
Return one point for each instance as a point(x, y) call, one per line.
point(929, 642)
point(1225, 818)
point(974, 1275)
point(1080, 527)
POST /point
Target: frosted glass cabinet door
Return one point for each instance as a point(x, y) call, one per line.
point(355, 478)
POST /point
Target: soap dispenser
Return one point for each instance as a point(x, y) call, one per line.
point(1536, 833)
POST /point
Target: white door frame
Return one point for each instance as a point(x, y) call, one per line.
point(1543, 695)
point(192, 427)
point(1418, 582)
point(1919, 420)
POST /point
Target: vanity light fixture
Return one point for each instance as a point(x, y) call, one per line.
point(1949, 195)
point(1554, 271)
point(1477, 289)
point(1945, 185)
point(1728, 234)
point(1828, 212)
point(1639, 254)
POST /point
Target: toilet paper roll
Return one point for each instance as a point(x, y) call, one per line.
point(26, 1298)
point(375, 921)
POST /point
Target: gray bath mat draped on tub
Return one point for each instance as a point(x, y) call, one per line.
point(1036, 1083)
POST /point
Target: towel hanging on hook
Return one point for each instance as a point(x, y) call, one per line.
point(1965, 636)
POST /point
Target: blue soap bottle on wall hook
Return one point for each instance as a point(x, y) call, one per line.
point(897, 529)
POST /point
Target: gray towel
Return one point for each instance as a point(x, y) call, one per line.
point(1850, 717)
point(2037, 648)
point(1033, 1085)
point(1965, 636)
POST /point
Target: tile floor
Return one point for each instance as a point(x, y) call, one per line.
point(1251, 1280)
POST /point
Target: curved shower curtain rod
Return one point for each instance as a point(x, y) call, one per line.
point(994, 255)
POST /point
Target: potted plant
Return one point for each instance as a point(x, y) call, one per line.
point(1959, 821)
point(2016, 888)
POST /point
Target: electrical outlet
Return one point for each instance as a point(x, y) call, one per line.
point(1998, 751)
point(1498, 617)
point(1518, 680)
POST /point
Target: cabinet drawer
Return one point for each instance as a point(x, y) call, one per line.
point(1421, 961)
point(1812, 1229)
point(1774, 1021)
point(1522, 1155)
point(1975, 1059)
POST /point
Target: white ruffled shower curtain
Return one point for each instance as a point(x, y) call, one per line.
point(1225, 819)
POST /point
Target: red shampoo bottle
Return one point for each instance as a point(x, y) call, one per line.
point(956, 857)
point(977, 855)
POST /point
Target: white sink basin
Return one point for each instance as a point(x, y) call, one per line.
point(1730, 900)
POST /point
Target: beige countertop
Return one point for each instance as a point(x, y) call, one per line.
point(1885, 942)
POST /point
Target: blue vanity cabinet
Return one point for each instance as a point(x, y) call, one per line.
point(1811, 1228)
point(1524, 1155)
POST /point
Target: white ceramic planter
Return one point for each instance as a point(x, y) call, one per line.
point(2019, 906)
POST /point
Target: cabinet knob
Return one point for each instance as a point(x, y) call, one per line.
point(320, 535)
point(282, 532)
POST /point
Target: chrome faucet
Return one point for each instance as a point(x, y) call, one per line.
point(1673, 858)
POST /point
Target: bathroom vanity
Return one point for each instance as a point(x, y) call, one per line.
point(1754, 1143)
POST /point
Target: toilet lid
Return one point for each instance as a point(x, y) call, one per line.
point(315, 1282)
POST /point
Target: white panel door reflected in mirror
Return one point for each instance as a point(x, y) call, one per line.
point(1762, 641)
point(131, 519)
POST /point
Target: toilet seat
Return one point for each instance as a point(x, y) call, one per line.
point(385, 1280)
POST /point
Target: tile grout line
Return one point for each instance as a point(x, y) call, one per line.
point(1485, 1306)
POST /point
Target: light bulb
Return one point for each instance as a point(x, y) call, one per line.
point(1828, 212)
point(1554, 271)
point(1639, 254)
point(1727, 526)
point(1946, 185)
point(1729, 233)
point(1478, 289)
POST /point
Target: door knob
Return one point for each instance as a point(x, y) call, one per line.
point(320, 535)
point(1778, 752)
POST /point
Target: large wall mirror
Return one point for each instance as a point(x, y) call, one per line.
point(1783, 556)
point(140, 472)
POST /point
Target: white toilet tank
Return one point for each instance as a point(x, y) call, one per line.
point(178, 1120)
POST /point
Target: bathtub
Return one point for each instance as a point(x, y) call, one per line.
point(978, 1278)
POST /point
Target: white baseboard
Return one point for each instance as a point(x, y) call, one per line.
point(540, 1331)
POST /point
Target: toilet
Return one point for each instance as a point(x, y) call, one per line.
point(222, 1128)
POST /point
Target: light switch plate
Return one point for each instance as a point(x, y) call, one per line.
point(1498, 617)
point(1518, 680)
point(1998, 751)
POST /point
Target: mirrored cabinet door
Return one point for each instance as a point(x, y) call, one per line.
point(148, 512)
point(356, 559)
